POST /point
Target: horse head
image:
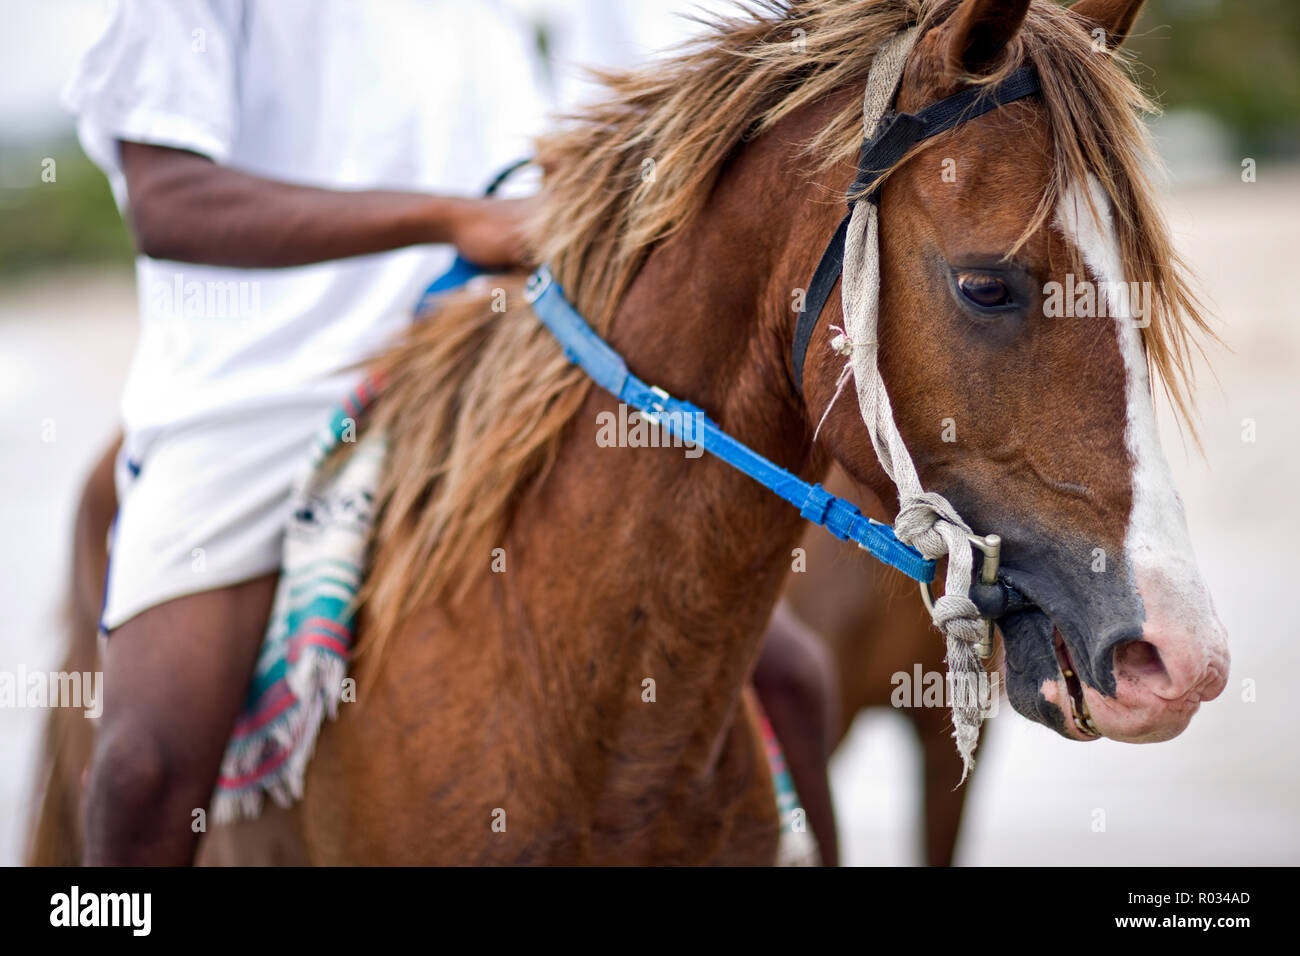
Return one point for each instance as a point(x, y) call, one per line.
point(1027, 287)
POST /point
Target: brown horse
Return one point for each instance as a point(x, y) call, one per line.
point(863, 615)
point(586, 701)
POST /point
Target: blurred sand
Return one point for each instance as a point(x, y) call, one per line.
point(1227, 791)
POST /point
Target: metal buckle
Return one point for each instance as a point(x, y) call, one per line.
point(991, 547)
point(653, 416)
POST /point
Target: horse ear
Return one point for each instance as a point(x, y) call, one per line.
point(977, 32)
point(1114, 16)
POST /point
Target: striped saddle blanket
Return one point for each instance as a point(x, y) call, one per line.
point(302, 667)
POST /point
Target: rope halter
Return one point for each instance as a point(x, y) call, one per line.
point(926, 520)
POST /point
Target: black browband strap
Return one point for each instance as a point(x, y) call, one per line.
point(897, 133)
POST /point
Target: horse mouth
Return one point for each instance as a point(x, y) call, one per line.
point(1029, 622)
point(1079, 712)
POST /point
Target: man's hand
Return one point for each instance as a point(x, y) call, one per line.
point(493, 233)
point(186, 208)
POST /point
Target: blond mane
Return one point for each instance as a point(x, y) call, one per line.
point(476, 400)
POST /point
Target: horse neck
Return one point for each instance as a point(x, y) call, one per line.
point(680, 561)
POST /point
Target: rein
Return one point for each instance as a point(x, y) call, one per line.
point(584, 348)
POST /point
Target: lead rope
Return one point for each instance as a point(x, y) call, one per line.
point(926, 521)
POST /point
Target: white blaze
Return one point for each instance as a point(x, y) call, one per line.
point(1157, 544)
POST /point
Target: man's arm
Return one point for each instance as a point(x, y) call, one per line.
point(186, 208)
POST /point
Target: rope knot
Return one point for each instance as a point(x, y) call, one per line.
point(958, 617)
point(926, 523)
point(915, 525)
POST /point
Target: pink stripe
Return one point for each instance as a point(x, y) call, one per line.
point(326, 625)
point(262, 769)
point(267, 766)
point(266, 713)
point(318, 640)
point(321, 632)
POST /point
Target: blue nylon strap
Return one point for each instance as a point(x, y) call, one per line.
point(458, 273)
point(607, 369)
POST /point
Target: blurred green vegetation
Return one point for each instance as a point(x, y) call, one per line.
point(70, 221)
point(1237, 60)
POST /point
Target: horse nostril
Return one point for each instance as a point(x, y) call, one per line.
point(1139, 661)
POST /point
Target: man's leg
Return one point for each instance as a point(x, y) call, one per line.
point(175, 677)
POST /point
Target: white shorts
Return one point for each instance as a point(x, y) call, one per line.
point(203, 507)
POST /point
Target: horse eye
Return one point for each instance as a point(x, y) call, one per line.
point(985, 291)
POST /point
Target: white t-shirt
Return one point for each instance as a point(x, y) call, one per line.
point(427, 95)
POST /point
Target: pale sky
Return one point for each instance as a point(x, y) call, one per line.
point(40, 41)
